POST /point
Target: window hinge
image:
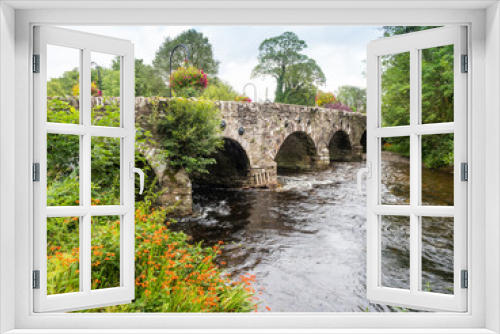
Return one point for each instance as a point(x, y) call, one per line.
point(36, 63)
point(464, 172)
point(36, 279)
point(36, 172)
point(465, 279)
point(465, 63)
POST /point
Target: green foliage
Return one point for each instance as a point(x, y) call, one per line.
point(300, 83)
point(190, 132)
point(280, 58)
point(354, 97)
point(219, 91)
point(171, 274)
point(200, 53)
point(148, 81)
point(437, 97)
point(62, 86)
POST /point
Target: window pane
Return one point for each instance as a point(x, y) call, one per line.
point(105, 89)
point(105, 252)
point(395, 85)
point(63, 84)
point(395, 171)
point(437, 169)
point(63, 158)
point(105, 171)
point(437, 84)
point(437, 254)
point(395, 249)
point(63, 255)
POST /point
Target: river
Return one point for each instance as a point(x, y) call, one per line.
point(306, 244)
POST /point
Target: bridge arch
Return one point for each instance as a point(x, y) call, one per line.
point(297, 152)
point(231, 169)
point(340, 146)
point(362, 141)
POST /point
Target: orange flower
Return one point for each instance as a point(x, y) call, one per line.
point(268, 308)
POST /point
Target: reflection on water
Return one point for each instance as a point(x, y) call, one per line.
point(307, 243)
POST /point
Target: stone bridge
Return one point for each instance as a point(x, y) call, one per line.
point(259, 140)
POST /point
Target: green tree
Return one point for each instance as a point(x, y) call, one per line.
point(279, 58)
point(354, 97)
point(219, 90)
point(200, 53)
point(301, 81)
point(62, 86)
point(437, 97)
point(148, 81)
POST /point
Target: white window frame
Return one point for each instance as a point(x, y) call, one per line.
point(484, 144)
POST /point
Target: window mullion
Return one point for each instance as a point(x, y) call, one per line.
point(85, 181)
point(414, 169)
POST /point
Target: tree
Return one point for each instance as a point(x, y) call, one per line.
point(279, 56)
point(62, 86)
point(437, 97)
point(219, 90)
point(300, 83)
point(200, 53)
point(354, 97)
point(148, 82)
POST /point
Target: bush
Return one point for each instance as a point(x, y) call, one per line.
point(190, 132)
point(171, 274)
point(94, 91)
point(338, 106)
point(188, 81)
point(219, 91)
point(323, 98)
point(243, 98)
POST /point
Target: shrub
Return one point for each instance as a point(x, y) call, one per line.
point(190, 132)
point(171, 274)
point(323, 98)
point(94, 91)
point(338, 106)
point(242, 98)
point(219, 91)
point(188, 81)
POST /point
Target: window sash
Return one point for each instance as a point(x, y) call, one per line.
point(414, 297)
point(86, 297)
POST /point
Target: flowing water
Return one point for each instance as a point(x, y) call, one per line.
point(306, 243)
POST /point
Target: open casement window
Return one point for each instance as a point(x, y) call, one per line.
point(84, 130)
point(401, 232)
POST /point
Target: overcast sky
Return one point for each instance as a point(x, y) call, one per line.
point(340, 51)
